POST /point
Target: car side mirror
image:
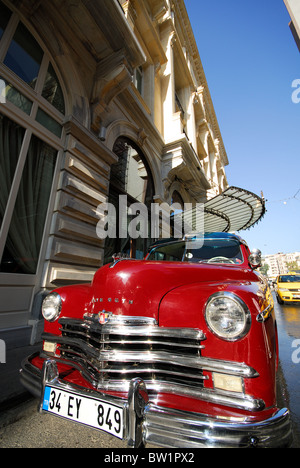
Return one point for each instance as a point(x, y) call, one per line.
point(255, 258)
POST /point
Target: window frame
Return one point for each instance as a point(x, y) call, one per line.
point(32, 127)
point(139, 80)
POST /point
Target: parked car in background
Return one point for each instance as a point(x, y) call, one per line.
point(177, 350)
point(287, 288)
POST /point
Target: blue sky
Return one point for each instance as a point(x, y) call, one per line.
point(250, 61)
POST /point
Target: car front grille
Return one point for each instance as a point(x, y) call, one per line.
point(168, 360)
point(127, 347)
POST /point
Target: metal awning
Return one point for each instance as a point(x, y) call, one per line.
point(235, 209)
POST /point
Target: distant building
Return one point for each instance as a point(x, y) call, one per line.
point(293, 7)
point(279, 263)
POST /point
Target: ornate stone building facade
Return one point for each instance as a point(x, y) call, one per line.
point(293, 8)
point(98, 98)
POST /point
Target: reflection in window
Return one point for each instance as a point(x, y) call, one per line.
point(204, 250)
point(11, 94)
point(25, 235)
point(24, 56)
point(11, 138)
point(131, 174)
point(52, 90)
point(132, 177)
point(138, 79)
point(5, 15)
point(25, 191)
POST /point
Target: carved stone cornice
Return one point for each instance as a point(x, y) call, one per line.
point(181, 161)
point(113, 75)
point(77, 131)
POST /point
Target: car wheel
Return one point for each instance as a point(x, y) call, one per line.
point(280, 301)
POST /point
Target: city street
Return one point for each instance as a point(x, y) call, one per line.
point(288, 323)
point(33, 430)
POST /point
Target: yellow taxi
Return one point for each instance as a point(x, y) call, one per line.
point(287, 288)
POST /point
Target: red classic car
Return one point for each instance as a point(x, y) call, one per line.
point(177, 350)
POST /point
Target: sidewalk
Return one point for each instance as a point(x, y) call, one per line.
point(10, 386)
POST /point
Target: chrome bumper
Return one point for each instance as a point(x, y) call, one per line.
point(164, 427)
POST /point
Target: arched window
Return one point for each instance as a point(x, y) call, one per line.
point(130, 176)
point(177, 198)
point(32, 111)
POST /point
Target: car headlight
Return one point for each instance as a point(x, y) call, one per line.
point(283, 289)
point(227, 316)
point(51, 307)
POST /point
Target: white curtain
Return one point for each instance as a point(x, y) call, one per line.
point(28, 220)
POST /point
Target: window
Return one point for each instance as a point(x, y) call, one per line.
point(130, 176)
point(5, 15)
point(177, 198)
point(205, 250)
point(52, 91)
point(11, 94)
point(21, 252)
point(11, 139)
point(139, 80)
point(29, 144)
point(24, 56)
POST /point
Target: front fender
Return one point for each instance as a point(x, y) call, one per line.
point(185, 307)
point(76, 301)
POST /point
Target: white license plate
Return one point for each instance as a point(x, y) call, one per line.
point(85, 410)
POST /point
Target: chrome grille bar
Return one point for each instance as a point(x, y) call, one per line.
point(131, 326)
point(129, 346)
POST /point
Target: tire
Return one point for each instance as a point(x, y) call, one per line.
point(280, 301)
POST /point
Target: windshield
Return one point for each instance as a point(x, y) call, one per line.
point(289, 279)
point(206, 250)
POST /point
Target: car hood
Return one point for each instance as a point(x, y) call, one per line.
point(132, 287)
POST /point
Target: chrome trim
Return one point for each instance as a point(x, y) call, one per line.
point(255, 258)
point(219, 397)
point(137, 402)
point(171, 428)
point(213, 365)
point(265, 314)
point(120, 257)
point(169, 360)
point(31, 378)
point(216, 396)
point(133, 407)
point(164, 357)
point(131, 325)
